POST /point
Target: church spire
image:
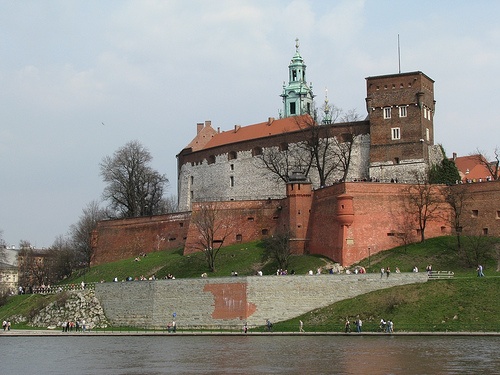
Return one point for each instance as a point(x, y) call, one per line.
point(297, 95)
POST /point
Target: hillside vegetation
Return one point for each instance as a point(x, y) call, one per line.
point(464, 303)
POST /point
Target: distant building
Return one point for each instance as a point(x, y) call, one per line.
point(472, 168)
point(8, 278)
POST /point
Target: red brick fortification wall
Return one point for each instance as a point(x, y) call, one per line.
point(126, 238)
point(248, 221)
point(378, 215)
point(482, 209)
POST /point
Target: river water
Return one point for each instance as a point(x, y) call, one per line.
point(174, 354)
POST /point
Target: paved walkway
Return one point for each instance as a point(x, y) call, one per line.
point(19, 333)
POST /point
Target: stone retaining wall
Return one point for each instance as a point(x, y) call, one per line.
point(233, 300)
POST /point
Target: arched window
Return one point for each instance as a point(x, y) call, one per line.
point(232, 155)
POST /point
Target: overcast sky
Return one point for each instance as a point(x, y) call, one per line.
point(150, 70)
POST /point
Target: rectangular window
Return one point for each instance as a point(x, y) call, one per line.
point(403, 112)
point(231, 181)
point(395, 133)
point(292, 108)
point(427, 134)
point(475, 213)
point(387, 112)
point(425, 112)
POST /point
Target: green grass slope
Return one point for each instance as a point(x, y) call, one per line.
point(465, 303)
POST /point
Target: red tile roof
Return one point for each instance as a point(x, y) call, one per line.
point(263, 129)
point(471, 168)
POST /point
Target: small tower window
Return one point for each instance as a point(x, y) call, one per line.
point(292, 109)
point(395, 133)
point(387, 112)
point(231, 181)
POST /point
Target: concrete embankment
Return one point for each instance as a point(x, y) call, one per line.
point(212, 302)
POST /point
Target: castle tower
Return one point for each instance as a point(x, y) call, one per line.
point(299, 194)
point(401, 110)
point(297, 95)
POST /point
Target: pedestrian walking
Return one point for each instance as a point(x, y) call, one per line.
point(480, 271)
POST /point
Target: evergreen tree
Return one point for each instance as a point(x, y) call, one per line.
point(445, 172)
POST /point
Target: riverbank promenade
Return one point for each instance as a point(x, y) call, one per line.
point(59, 333)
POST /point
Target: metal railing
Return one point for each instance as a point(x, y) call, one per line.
point(441, 274)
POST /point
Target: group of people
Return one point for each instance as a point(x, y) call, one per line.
point(142, 278)
point(386, 326)
point(6, 325)
point(358, 323)
point(172, 326)
point(78, 326)
point(387, 271)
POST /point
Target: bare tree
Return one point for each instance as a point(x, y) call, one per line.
point(278, 248)
point(171, 204)
point(423, 201)
point(478, 247)
point(134, 188)
point(318, 143)
point(350, 116)
point(3, 247)
point(329, 153)
point(343, 151)
point(62, 260)
point(405, 228)
point(33, 266)
point(492, 166)
point(457, 197)
point(282, 160)
point(214, 225)
point(81, 232)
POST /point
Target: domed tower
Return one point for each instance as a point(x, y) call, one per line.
point(297, 95)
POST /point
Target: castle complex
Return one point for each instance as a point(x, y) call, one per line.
point(264, 179)
point(395, 142)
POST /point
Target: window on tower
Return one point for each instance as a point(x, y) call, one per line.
point(395, 133)
point(294, 75)
point(387, 112)
point(292, 108)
